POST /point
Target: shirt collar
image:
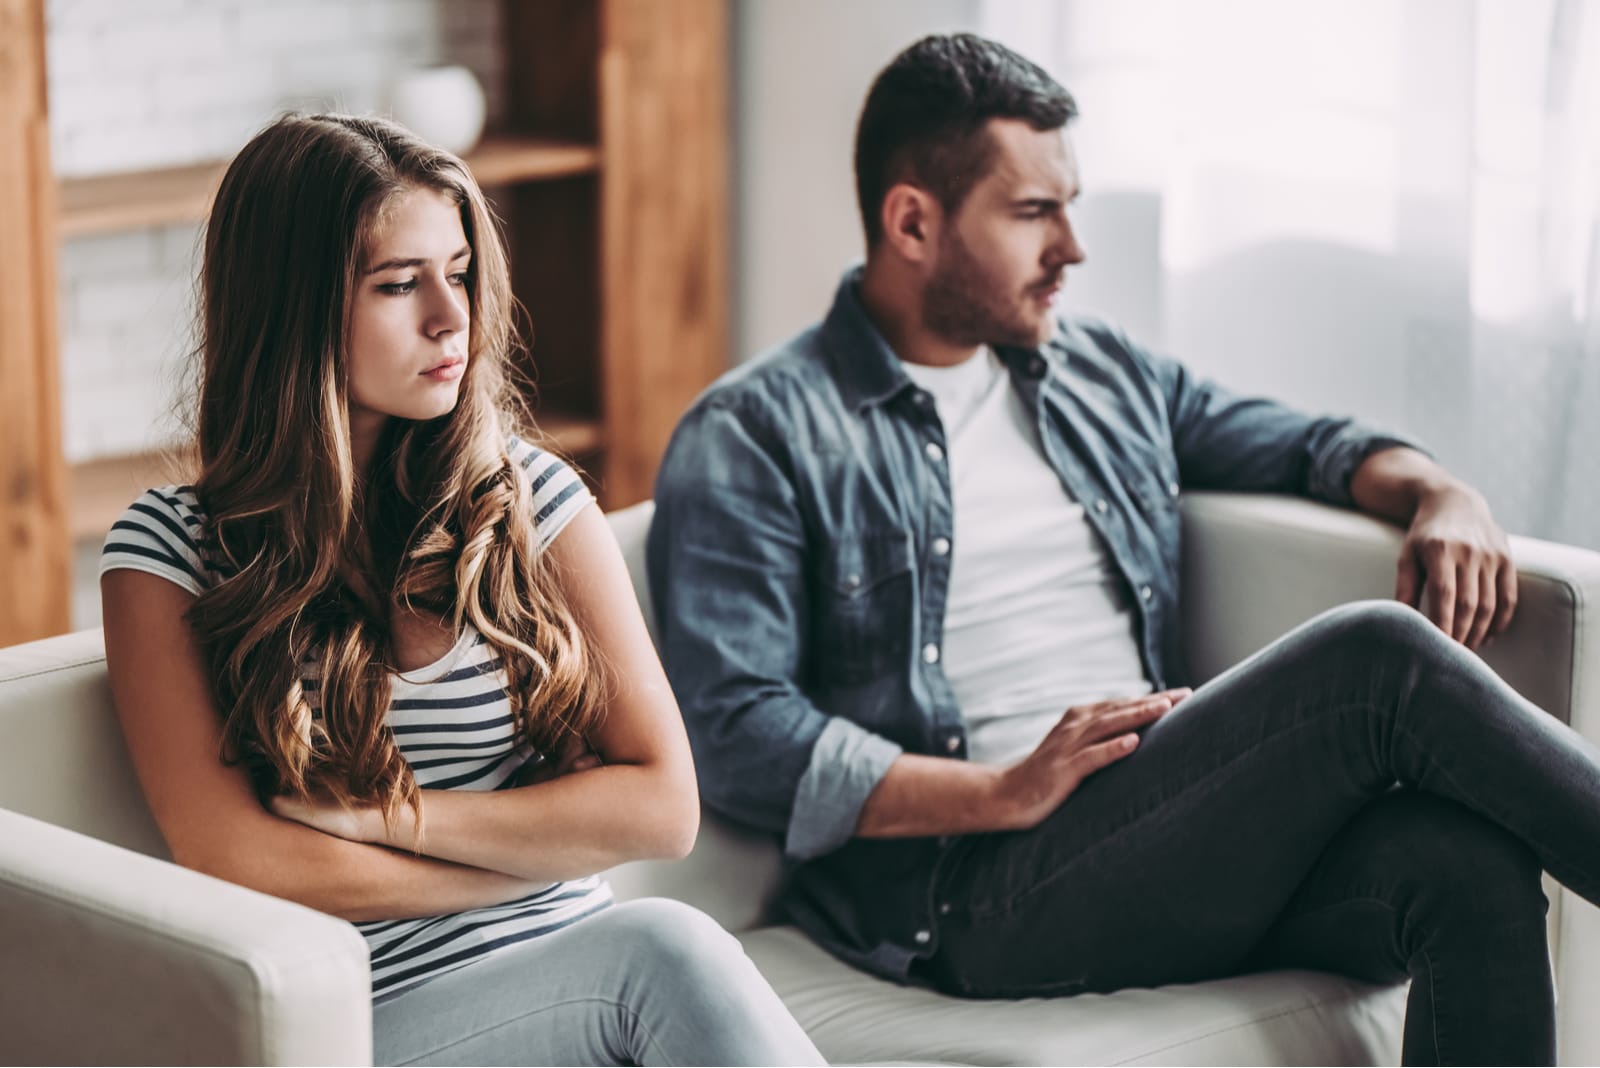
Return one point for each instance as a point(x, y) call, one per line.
point(866, 368)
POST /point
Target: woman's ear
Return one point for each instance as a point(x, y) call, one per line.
point(911, 218)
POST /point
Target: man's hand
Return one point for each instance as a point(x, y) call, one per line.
point(1456, 561)
point(1083, 741)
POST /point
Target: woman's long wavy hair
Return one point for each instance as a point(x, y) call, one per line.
point(316, 559)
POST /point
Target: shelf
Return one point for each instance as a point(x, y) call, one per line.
point(100, 490)
point(172, 195)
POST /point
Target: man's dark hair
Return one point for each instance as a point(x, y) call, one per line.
point(924, 118)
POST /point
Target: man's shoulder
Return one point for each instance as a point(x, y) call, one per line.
point(1089, 336)
point(782, 381)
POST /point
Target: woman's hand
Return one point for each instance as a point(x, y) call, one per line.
point(322, 813)
point(575, 756)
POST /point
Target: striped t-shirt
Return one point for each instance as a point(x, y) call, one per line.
point(451, 721)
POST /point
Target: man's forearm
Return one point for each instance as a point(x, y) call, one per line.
point(1392, 483)
point(922, 796)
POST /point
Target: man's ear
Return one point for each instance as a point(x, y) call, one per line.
point(911, 219)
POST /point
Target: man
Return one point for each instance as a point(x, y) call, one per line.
point(916, 574)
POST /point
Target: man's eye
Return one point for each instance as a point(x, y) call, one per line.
point(396, 289)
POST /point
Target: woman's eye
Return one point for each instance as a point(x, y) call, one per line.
point(459, 279)
point(396, 289)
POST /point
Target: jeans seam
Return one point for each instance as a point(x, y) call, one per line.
point(1433, 1009)
point(1010, 903)
point(649, 1037)
point(1473, 802)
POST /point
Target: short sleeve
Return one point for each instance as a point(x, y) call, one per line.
point(160, 534)
point(558, 493)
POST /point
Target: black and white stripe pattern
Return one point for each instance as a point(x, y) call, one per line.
point(451, 720)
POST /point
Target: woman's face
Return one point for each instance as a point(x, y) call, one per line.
point(410, 314)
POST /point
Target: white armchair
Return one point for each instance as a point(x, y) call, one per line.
point(111, 954)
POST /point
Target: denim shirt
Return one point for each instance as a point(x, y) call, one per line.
point(799, 561)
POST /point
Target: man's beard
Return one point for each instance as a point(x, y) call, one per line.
point(962, 305)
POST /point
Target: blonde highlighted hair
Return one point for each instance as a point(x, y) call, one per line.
point(314, 558)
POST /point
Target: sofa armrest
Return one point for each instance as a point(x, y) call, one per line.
point(1255, 566)
point(113, 957)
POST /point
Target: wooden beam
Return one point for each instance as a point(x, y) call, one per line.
point(35, 557)
point(664, 222)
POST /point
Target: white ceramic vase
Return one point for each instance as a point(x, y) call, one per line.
point(442, 105)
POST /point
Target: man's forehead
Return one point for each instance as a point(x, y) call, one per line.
point(1023, 156)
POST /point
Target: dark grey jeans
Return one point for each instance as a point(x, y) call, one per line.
point(1364, 796)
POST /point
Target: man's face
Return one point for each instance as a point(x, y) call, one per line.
point(1003, 254)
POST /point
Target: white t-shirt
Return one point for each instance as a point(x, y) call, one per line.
point(1038, 617)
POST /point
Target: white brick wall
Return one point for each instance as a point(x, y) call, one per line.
point(154, 83)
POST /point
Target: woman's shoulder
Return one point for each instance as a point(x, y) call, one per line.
point(161, 533)
point(557, 490)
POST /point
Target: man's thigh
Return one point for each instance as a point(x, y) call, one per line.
point(1169, 865)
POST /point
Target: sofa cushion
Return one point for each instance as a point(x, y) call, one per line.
point(1285, 1017)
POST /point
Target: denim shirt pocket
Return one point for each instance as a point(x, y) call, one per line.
point(865, 589)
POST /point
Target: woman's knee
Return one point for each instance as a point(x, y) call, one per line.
point(670, 937)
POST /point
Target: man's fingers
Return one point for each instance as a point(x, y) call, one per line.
point(1128, 719)
point(1442, 594)
point(1506, 597)
point(1091, 759)
point(1486, 604)
point(1407, 578)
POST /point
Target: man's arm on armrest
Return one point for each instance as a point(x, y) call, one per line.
point(1456, 561)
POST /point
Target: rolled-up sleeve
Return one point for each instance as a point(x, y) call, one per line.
point(1226, 441)
point(727, 566)
point(847, 763)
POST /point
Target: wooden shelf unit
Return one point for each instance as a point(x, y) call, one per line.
point(171, 195)
point(610, 175)
point(100, 490)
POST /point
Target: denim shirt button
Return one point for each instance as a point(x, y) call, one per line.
point(1036, 367)
point(941, 546)
point(952, 743)
point(1146, 592)
point(935, 453)
point(1173, 488)
point(852, 581)
point(922, 938)
point(944, 908)
point(930, 653)
point(922, 398)
point(1101, 506)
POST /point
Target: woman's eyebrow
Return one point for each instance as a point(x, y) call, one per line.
point(398, 262)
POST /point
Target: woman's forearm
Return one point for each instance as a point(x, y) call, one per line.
point(356, 881)
point(568, 827)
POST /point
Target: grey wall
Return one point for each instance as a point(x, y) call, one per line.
point(801, 70)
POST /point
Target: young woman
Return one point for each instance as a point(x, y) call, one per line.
point(383, 657)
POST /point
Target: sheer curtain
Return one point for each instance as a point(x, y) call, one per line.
point(1386, 207)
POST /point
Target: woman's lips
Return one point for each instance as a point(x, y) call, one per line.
point(448, 371)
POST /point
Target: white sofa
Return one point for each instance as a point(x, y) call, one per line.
point(111, 954)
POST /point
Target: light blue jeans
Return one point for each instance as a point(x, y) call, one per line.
point(644, 982)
